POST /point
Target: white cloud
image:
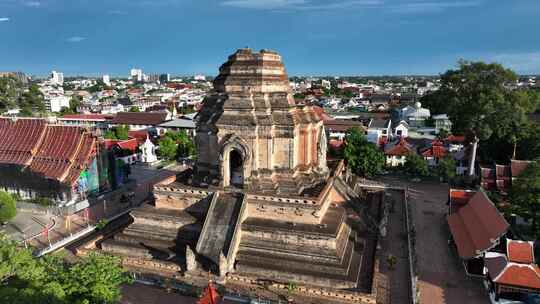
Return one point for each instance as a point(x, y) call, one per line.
point(527, 62)
point(32, 3)
point(299, 4)
point(263, 4)
point(433, 6)
point(75, 39)
point(4, 19)
point(116, 12)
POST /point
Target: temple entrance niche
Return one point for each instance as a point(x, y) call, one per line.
point(235, 159)
point(236, 169)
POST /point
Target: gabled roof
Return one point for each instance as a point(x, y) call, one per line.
point(54, 152)
point(179, 123)
point(505, 272)
point(520, 251)
point(399, 148)
point(379, 123)
point(459, 198)
point(518, 166)
point(342, 125)
point(476, 226)
point(436, 150)
point(140, 118)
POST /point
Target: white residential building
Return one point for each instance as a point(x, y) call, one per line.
point(107, 80)
point(415, 115)
point(56, 103)
point(136, 75)
point(379, 130)
point(57, 78)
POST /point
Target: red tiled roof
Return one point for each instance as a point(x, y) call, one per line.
point(517, 166)
point(519, 275)
point(460, 198)
point(55, 152)
point(140, 135)
point(336, 144)
point(141, 118)
point(87, 116)
point(455, 138)
point(520, 251)
point(342, 125)
point(477, 226)
point(399, 148)
point(436, 150)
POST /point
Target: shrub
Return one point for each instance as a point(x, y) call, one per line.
point(8, 207)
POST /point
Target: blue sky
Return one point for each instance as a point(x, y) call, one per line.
point(315, 37)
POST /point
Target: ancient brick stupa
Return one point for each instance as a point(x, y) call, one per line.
point(252, 135)
point(261, 202)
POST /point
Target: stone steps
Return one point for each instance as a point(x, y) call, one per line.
point(216, 234)
point(281, 270)
point(333, 262)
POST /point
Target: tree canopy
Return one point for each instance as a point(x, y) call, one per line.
point(26, 279)
point(481, 103)
point(525, 194)
point(118, 132)
point(416, 165)
point(14, 94)
point(176, 144)
point(8, 208)
point(362, 157)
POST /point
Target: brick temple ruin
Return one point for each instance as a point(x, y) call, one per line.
point(261, 204)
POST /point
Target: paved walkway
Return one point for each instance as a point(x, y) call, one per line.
point(396, 280)
point(441, 276)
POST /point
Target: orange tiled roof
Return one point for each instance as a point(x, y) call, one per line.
point(520, 251)
point(55, 152)
point(476, 226)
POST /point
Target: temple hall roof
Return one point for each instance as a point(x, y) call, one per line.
point(476, 226)
point(140, 118)
point(55, 152)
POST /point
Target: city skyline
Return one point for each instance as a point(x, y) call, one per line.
point(360, 37)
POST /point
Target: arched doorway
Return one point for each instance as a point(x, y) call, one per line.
point(236, 169)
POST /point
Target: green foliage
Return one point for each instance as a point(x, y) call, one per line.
point(73, 104)
point(29, 280)
point(134, 109)
point(446, 169)
point(101, 224)
point(8, 207)
point(480, 104)
point(175, 145)
point(362, 157)
point(416, 165)
point(9, 92)
point(118, 132)
point(167, 148)
point(525, 194)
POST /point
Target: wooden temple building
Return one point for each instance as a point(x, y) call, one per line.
point(61, 163)
point(514, 275)
point(261, 203)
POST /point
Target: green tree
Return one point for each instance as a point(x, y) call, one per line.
point(167, 148)
point(8, 208)
point(362, 157)
point(122, 132)
point(25, 279)
point(446, 168)
point(416, 165)
point(32, 100)
point(134, 109)
point(118, 132)
point(480, 104)
point(9, 88)
point(525, 194)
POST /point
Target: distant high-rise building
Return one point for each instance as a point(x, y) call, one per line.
point(152, 78)
point(137, 75)
point(107, 80)
point(57, 78)
point(164, 78)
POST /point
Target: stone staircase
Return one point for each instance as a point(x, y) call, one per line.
point(220, 225)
